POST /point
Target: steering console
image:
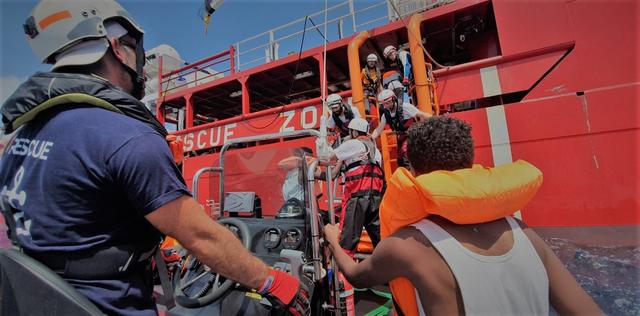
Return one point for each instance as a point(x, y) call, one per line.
point(207, 286)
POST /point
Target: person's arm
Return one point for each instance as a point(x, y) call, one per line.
point(405, 59)
point(168, 206)
point(335, 171)
point(565, 294)
point(290, 163)
point(423, 115)
point(384, 265)
point(413, 112)
point(378, 130)
point(212, 243)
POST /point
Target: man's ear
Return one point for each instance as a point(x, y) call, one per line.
point(117, 49)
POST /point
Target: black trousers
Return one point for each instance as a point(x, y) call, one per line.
point(360, 211)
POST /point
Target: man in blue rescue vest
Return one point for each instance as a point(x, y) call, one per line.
point(89, 183)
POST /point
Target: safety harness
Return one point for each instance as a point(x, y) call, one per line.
point(364, 177)
point(371, 84)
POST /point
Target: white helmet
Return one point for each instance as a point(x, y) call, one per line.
point(334, 100)
point(55, 26)
point(70, 33)
point(388, 50)
point(386, 95)
point(372, 57)
point(359, 124)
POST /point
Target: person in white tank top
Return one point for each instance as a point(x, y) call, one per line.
point(497, 268)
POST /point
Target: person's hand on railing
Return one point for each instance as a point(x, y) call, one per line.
point(323, 150)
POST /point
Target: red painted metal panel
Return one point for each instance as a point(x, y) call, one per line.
point(539, 121)
point(520, 75)
point(613, 109)
point(606, 48)
point(458, 87)
point(588, 160)
point(516, 72)
point(480, 131)
point(285, 121)
point(528, 25)
point(577, 191)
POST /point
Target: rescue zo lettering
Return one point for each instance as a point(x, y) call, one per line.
point(35, 148)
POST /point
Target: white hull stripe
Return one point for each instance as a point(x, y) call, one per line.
point(490, 81)
point(500, 142)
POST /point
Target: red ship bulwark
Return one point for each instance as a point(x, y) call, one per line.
point(555, 83)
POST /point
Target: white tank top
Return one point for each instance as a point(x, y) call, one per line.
point(514, 283)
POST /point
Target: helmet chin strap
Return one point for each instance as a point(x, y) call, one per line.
point(137, 76)
point(138, 79)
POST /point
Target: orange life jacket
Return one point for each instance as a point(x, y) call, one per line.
point(465, 196)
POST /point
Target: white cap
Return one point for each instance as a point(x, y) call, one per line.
point(386, 95)
point(359, 124)
point(89, 52)
point(334, 100)
point(388, 50)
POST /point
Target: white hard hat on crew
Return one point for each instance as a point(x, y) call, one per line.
point(359, 124)
point(334, 100)
point(77, 33)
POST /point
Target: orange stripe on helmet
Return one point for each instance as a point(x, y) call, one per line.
point(53, 18)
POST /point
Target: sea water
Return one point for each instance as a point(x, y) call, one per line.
point(610, 274)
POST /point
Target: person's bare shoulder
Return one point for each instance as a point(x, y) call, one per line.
point(538, 243)
point(408, 246)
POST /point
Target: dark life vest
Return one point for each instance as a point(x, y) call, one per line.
point(343, 126)
point(396, 123)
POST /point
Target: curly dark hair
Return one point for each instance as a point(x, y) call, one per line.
point(440, 143)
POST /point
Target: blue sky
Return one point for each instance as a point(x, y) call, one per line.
point(166, 22)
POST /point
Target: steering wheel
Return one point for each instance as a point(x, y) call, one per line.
point(211, 285)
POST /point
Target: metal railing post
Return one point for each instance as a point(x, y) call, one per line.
point(196, 178)
point(232, 60)
point(340, 31)
point(315, 223)
point(352, 11)
point(271, 42)
point(238, 54)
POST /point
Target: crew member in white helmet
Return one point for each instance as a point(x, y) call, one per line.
point(399, 117)
point(364, 185)
point(371, 80)
point(341, 114)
